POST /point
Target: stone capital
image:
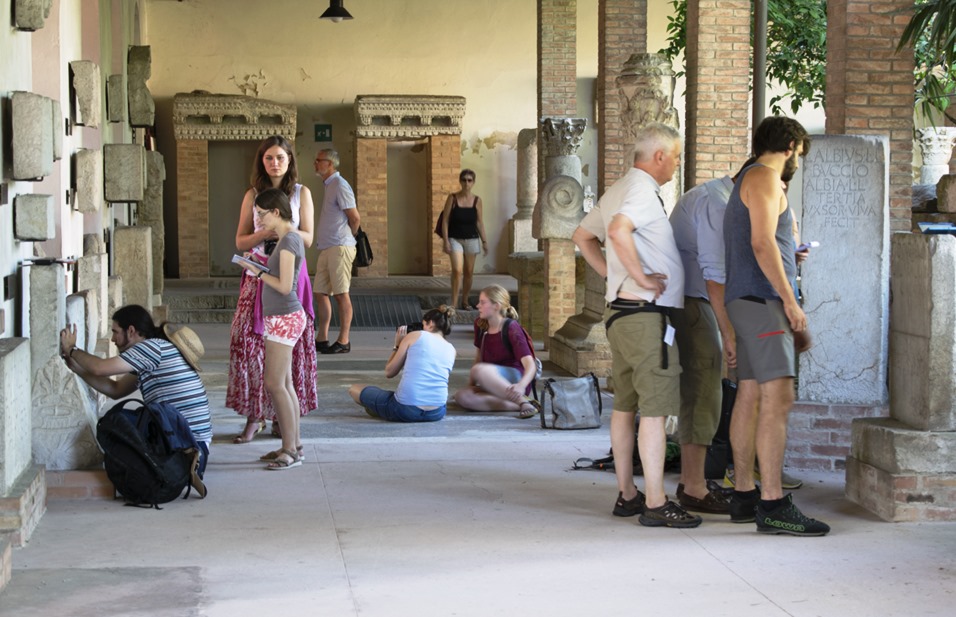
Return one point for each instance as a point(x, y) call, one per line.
point(562, 136)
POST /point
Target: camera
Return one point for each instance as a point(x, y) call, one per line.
point(415, 326)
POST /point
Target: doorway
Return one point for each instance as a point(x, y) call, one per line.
point(408, 224)
point(230, 163)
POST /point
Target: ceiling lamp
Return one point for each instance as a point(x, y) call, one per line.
point(336, 12)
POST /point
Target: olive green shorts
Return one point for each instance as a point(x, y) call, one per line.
point(641, 383)
point(698, 340)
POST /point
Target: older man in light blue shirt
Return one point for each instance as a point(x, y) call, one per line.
point(698, 223)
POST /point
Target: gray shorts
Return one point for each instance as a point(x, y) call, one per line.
point(468, 246)
point(764, 340)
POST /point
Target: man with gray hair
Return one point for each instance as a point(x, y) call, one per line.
point(335, 239)
point(645, 280)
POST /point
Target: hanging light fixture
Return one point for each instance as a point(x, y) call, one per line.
point(336, 12)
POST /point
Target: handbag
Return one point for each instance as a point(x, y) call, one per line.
point(438, 225)
point(363, 250)
point(573, 403)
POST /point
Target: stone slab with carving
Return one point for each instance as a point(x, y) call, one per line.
point(116, 98)
point(34, 217)
point(47, 312)
point(89, 180)
point(408, 115)
point(142, 108)
point(116, 294)
point(150, 213)
point(124, 172)
point(219, 117)
point(845, 208)
point(559, 210)
point(92, 273)
point(57, 130)
point(133, 260)
point(64, 419)
point(87, 86)
point(32, 124)
point(31, 15)
point(15, 410)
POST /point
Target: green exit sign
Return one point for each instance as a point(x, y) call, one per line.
point(323, 132)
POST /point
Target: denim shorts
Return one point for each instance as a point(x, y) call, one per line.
point(382, 403)
point(468, 246)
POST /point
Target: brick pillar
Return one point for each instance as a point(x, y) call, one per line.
point(718, 88)
point(371, 196)
point(192, 197)
point(622, 32)
point(559, 283)
point(557, 65)
point(444, 165)
point(869, 87)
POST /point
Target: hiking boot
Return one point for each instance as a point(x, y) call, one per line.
point(630, 507)
point(790, 520)
point(669, 515)
point(712, 503)
point(743, 508)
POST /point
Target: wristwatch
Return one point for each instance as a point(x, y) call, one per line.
point(259, 274)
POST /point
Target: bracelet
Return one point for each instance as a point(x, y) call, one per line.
point(395, 348)
point(259, 274)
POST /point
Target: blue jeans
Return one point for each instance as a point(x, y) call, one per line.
point(382, 403)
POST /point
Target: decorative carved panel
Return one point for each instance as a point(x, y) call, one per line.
point(408, 116)
point(230, 117)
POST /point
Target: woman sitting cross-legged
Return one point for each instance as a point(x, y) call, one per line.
point(427, 359)
point(501, 377)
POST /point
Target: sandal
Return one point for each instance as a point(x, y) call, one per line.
point(291, 460)
point(526, 413)
point(271, 456)
point(275, 430)
point(240, 438)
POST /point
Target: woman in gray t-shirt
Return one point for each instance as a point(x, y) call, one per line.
point(284, 320)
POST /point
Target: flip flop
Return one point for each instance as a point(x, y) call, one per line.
point(240, 439)
point(280, 464)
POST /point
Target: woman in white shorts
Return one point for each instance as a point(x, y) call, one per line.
point(284, 321)
point(464, 235)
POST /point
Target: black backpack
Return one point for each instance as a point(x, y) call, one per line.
point(150, 453)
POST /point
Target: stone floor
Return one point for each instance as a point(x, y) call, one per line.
point(476, 515)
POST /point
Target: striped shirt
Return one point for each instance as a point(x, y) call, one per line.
point(164, 376)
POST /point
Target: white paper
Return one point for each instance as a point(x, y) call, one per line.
point(669, 335)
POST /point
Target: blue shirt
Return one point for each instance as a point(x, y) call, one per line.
point(333, 228)
point(164, 376)
point(698, 223)
point(428, 366)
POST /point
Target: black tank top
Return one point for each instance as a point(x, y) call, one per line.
point(463, 222)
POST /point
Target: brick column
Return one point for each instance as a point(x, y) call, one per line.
point(622, 32)
point(718, 88)
point(869, 87)
point(192, 198)
point(371, 196)
point(557, 65)
point(559, 278)
point(444, 165)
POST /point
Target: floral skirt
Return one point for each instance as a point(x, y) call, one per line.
point(247, 392)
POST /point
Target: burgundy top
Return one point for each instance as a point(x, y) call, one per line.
point(494, 351)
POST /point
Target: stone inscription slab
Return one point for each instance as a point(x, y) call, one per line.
point(846, 280)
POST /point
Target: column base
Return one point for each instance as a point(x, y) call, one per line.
point(581, 346)
point(22, 507)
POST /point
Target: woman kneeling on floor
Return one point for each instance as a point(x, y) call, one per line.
point(427, 359)
point(501, 377)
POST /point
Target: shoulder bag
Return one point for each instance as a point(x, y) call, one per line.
point(573, 403)
point(363, 250)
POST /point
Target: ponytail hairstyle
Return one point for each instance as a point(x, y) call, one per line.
point(138, 317)
point(441, 317)
point(500, 296)
point(275, 199)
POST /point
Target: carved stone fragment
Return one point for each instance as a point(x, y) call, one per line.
point(124, 169)
point(31, 15)
point(86, 84)
point(116, 98)
point(228, 117)
point(34, 217)
point(32, 136)
point(142, 108)
point(89, 180)
point(408, 115)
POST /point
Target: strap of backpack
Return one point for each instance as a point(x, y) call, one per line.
point(597, 387)
point(548, 391)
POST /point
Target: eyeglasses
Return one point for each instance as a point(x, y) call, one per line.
point(317, 161)
point(260, 214)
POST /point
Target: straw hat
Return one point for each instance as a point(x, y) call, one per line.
point(187, 342)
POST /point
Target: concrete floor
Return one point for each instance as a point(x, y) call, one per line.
point(475, 515)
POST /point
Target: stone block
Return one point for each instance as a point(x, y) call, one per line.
point(82, 312)
point(896, 448)
point(133, 260)
point(151, 213)
point(520, 239)
point(34, 217)
point(124, 171)
point(946, 194)
point(47, 313)
point(559, 209)
point(903, 497)
point(89, 180)
point(58, 131)
point(923, 332)
point(31, 15)
point(64, 419)
point(15, 454)
point(142, 108)
point(117, 297)
point(93, 244)
point(116, 98)
point(87, 86)
point(32, 136)
point(92, 273)
point(845, 208)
